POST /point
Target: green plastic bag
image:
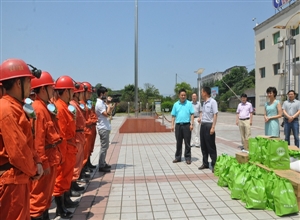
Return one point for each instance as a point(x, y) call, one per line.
point(224, 176)
point(253, 145)
point(234, 170)
point(278, 155)
point(270, 183)
point(285, 200)
point(220, 164)
point(256, 194)
point(264, 145)
point(238, 184)
point(295, 154)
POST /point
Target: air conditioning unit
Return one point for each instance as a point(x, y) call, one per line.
point(280, 39)
point(280, 45)
point(281, 71)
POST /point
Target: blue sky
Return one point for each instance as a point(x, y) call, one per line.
point(94, 40)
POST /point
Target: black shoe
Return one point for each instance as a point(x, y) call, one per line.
point(82, 180)
point(68, 201)
point(76, 187)
point(212, 169)
point(61, 209)
point(203, 167)
point(90, 165)
point(104, 169)
point(107, 166)
point(176, 161)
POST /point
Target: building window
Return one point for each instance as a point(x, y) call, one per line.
point(275, 37)
point(295, 31)
point(262, 44)
point(262, 72)
point(295, 59)
point(262, 100)
point(276, 67)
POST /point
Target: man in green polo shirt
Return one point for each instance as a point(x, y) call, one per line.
point(182, 120)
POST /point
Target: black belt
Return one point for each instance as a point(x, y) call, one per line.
point(196, 116)
point(5, 167)
point(243, 119)
point(79, 130)
point(185, 123)
point(48, 146)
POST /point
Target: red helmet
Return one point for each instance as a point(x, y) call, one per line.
point(87, 87)
point(80, 89)
point(15, 68)
point(64, 82)
point(45, 80)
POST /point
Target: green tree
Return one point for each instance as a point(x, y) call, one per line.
point(185, 86)
point(128, 93)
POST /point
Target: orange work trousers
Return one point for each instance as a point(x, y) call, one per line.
point(41, 193)
point(86, 148)
point(14, 202)
point(92, 141)
point(65, 172)
point(79, 161)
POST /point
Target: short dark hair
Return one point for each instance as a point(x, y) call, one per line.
point(273, 90)
point(207, 90)
point(181, 90)
point(8, 84)
point(291, 91)
point(101, 90)
point(244, 95)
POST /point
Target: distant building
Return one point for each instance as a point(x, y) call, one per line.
point(212, 77)
point(273, 53)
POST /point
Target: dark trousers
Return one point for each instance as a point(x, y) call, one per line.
point(183, 132)
point(208, 144)
point(294, 126)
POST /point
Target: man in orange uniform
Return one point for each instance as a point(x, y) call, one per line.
point(2, 91)
point(91, 120)
point(80, 139)
point(46, 139)
point(19, 161)
point(64, 88)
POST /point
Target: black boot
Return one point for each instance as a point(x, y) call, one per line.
point(90, 165)
point(46, 215)
point(61, 209)
point(68, 201)
point(76, 187)
point(74, 193)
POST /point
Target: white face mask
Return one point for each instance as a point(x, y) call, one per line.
point(29, 110)
point(72, 109)
point(82, 106)
point(89, 104)
point(52, 108)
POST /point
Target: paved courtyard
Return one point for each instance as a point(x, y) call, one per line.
point(144, 184)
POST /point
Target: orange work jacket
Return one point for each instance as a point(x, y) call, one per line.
point(67, 127)
point(16, 143)
point(80, 122)
point(46, 134)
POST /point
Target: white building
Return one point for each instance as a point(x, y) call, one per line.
point(275, 57)
point(212, 77)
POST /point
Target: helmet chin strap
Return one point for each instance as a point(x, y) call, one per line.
point(49, 100)
point(22, 88)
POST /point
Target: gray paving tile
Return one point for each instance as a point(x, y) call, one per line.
point(177, 214)
point(230, 217)
point(161, 215)
point(145, 215)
